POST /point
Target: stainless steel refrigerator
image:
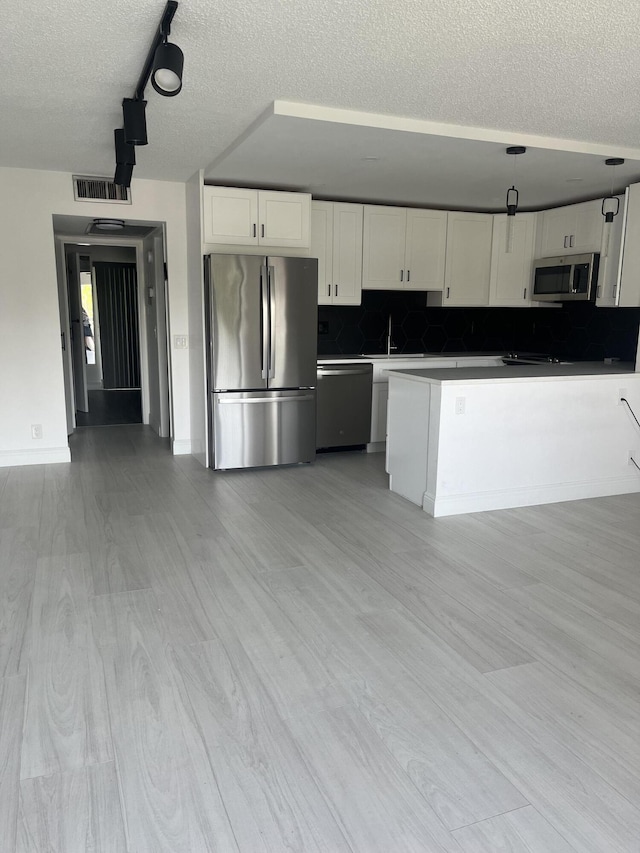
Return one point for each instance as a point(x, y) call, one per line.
point(262, 341)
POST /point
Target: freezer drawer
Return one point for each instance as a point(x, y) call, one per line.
point(257, 428)
point(344, 404)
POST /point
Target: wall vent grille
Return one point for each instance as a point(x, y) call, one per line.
point(99, 189)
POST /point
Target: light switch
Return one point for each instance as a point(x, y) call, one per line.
point(180, 342)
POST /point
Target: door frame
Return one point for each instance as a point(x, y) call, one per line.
point(61, 241)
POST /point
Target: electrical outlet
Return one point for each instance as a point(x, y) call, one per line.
point(180, 342)
point(621, 393)
point(460, 401)
point(36, 430)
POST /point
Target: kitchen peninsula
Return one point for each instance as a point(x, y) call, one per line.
point(471, 439)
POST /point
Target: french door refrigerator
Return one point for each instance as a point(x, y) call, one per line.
point(262, 341)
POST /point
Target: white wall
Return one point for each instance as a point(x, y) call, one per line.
point(31, 373)
point(196, 320)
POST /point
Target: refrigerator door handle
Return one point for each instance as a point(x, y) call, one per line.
point(272, 314)
point(223, 401)
point(265, 323)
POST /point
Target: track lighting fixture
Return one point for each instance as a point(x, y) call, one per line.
point(164, 64)
point(168, 61)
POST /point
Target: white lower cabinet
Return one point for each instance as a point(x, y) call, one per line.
point(336, 241)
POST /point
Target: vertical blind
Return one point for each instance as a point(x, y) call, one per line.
point(117, 293)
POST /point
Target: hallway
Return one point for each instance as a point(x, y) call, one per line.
point(297, 659)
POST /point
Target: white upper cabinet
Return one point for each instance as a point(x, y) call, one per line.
point(383, 247)
point(573, 229)
point(510, 280)
point(425, 247)
point(468, 259)
point(336, 241)
point(404, 248)
point(243, 217)
point(628, 295)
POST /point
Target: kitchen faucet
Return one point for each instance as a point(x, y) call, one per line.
point(389, 338)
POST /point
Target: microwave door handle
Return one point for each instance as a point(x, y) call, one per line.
point(264, 322)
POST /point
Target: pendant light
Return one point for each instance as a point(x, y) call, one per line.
point(512, 198)
point(610, 206)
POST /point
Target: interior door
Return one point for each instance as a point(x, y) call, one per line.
point(293, 314)
point(76, 333)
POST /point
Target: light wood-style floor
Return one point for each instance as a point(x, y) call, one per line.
point(298, 660)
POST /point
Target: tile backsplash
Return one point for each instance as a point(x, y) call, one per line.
point(578, 331)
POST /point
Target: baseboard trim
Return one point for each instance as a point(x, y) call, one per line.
point(376, 446)
point(528, 496)
point(181, 447)
point(43, 456)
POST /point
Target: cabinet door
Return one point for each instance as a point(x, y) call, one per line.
point(629, 296)
point(383, 248)
point(588, 228)
point(558, 226)
point(230, 215)
point(347, 254)
point(425, 249)
point(322, 248)
point(610, 257)
point(284, 219)
point(468, 259)
point(511, 272)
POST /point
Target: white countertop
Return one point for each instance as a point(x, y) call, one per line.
point(516, 373)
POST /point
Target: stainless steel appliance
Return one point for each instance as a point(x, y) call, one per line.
point(568, 278)
point(262, 340)
point(344, 404)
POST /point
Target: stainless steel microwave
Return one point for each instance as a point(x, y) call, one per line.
point(569, 278)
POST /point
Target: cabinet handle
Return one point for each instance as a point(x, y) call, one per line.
point(448, 289)
point(254, 229)
point(565, 241)
point(328, 290)
point(262, 230)
point(571, 242)
point(524, 293)
point(598, 291)
point(615, 291)
point(408, 276)
point(401, 275)
point(336, 293)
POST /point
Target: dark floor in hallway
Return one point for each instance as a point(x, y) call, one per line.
point(110, 408)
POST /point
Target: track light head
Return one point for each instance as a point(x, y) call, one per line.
point(125, 151)
point(124, 172)
point(135, 121)
point(168, 62)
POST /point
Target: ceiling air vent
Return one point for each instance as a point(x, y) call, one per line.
point(99, 189)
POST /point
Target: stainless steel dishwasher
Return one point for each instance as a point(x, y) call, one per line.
point(343, 404)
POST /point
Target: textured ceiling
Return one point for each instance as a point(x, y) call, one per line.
point(567, 69)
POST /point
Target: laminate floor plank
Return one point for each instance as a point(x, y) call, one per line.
point(590, 813)
point(519, 831)
point(373, 801)
point(235, 731)
point(21, 497)
point(164, 808)
point(12, 698)
point(66, 725)
point(18, 558)
point(461, 785)
point(477, 639)
point(74, 812)
point(62, 529)
point(584, 723)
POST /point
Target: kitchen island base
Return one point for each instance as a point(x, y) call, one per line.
point(463, 441)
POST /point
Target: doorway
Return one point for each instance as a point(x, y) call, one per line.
point(112, 297)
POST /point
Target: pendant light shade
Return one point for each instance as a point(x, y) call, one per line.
point(135, 121)
point(611, 204)
point(513, 197)
point(168, 63)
